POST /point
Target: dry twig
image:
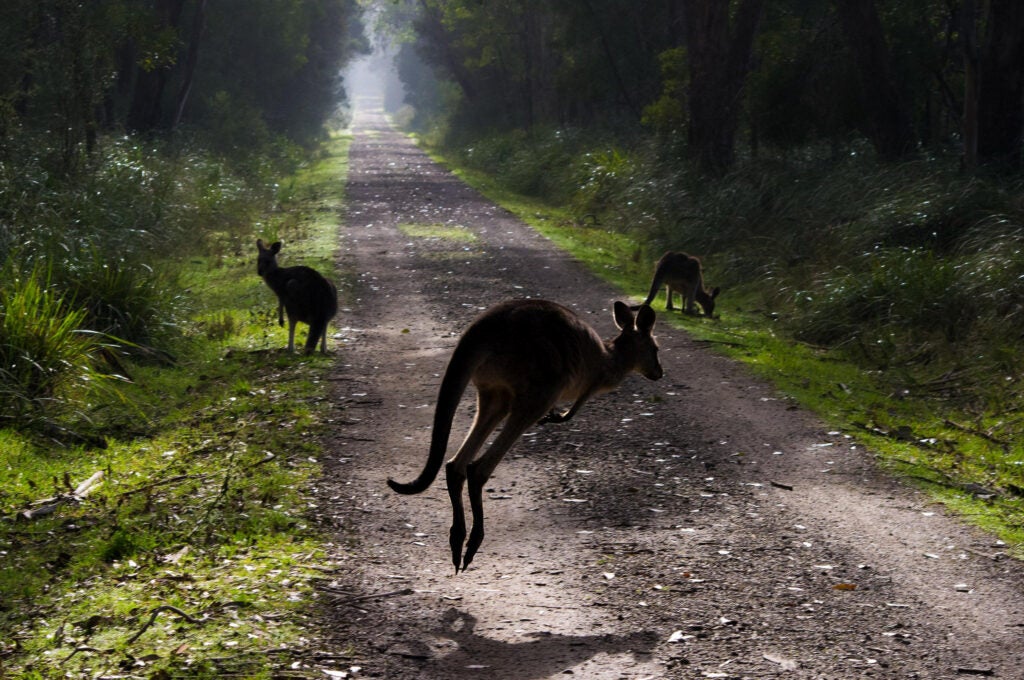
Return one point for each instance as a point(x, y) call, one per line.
point(156, 611)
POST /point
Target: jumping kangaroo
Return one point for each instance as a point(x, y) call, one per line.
point(681, 273)
point(523, 357)
point(302, 292)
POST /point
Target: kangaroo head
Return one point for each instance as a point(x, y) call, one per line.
point(266, 258)
point(707, 299)
point(636, 341)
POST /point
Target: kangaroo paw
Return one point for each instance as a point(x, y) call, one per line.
point(553, 416)
point(475, 539)
point(455, 539)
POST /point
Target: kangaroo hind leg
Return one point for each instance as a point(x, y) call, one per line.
point(668, 298)
point(691, 296)
point(519, 420)
point(291, 333)
point(491, 408)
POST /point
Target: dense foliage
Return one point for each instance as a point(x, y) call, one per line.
point(850, 167)
point(130, 130)
point(907, 76)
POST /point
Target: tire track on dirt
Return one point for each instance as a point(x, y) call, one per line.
point(650, 517)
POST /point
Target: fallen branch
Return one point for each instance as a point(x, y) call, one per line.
point(156, 611)
point(162, 482)
point(48, 506)
point(76, 651)
point(727, 343)
point(89, 485)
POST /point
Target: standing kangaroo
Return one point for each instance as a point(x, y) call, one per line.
point(523, 356)
point(681, 273)
point(302, 292)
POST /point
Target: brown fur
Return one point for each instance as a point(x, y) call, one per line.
point(302, 292)
point(524, 357)
point(682, 273)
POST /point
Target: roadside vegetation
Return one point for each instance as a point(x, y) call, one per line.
point(159, 523)
point(885, 298)
point(157, 447)
point(849, 172)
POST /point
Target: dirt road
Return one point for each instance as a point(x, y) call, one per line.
point(699, 526)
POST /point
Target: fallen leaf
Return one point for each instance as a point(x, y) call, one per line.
point(845, 586)
point(679, 636)
point(784, 663)
point(175, 557)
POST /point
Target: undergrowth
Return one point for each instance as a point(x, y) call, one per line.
point(885, 298)
point(182, 544)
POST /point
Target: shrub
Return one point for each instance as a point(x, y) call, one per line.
point(129, 302)
point(43, 349)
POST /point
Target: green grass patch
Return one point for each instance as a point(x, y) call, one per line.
point(967, 454)
point(441, 232)
point(192, 551)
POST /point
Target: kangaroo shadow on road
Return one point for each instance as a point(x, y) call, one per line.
point(539, 656)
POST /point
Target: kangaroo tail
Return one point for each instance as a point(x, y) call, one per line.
point(659, 276)
point(456, 378)
point(327, 308)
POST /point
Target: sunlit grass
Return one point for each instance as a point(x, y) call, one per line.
point(443, 232)
point(204, 500)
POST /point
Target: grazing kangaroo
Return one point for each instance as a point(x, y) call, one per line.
point(302, 292)
point(523, 356)
point(681, 273)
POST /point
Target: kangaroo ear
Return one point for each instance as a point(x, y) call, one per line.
point(259, 244)
point(715, 292)
point(275, 247)
point(645, 319)
point(623, 317)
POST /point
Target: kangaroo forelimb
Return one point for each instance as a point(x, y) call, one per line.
point(554, 416)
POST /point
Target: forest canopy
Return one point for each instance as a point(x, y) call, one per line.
point(730, 77)
point(238, 71)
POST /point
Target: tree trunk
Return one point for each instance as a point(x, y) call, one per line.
point(190, 62)
point(969, 124)
point(609, 55)
point(719, 51)
point(429, 24)
point(146, 110)
point(1001, 85)
point(888, 123)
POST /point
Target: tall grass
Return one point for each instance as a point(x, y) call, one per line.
point(44, 349)
point(81, 247)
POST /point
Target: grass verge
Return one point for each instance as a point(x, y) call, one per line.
point(949, 452)
point(186, 545)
